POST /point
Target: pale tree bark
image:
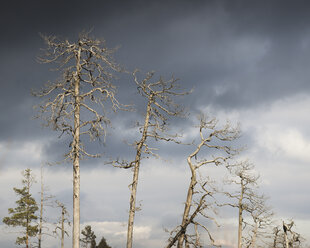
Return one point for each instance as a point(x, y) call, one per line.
point(61, 223)
point(45, 200)
point(285, 229)
point(291, 238)
point(248, 201)
point(159, 105)
point(85, 87)
point(182, 230)
point(134, 185)
point(76, 154)
point(215, 139)
point(190, 193)
point(240, 218)
point(262, 221)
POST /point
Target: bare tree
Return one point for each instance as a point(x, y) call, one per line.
point(215, 140)
point(285, 237)
point(60, 225)
point(292, 239)
point(259, 227)
point(248, 200)
point(159, 106)
point(72, 105)
point(276, 233)
point(45, 200)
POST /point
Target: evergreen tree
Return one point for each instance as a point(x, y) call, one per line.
point(24, 214)
point(89, 239)
point(103, 244)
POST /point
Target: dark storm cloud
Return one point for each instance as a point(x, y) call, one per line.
point(234, 53)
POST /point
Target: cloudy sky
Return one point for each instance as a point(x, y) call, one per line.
point(247, 61)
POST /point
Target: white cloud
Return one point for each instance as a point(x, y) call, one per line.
point(117, 231)
point(288, 142)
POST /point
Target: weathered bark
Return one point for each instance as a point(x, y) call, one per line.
point(184, 226)
point(62, 223)
point(240, 218)
point(224, 153)
point(134, 185)
point(85, 83)
point(159, 106)
point(285, 227)
point(190, 193)
point(76, 157)
point(248, 201)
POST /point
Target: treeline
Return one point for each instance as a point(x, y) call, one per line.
point(30, 217)
point(77, 105)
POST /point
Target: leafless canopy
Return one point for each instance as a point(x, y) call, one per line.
point(200, 199)
point(249, 202)
point(160, 106)
point(89, 62)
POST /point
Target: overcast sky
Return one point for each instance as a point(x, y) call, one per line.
point(247, 61)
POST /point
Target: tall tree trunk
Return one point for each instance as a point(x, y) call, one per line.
point(240, 219)
point(132, 208)
point(187, 208)
point(76, 157)
point(190, 193)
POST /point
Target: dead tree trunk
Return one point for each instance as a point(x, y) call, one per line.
point(210, 138)
point(285, 229)
point(76, 155)
point(87, 71)
point(134, 184)
point(159, 106)
point(240, 218)
point(61, 223)
point(190, 193)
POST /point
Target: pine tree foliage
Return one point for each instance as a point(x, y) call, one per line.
point(103, 244)
point(24, 214)
point(89, 238)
